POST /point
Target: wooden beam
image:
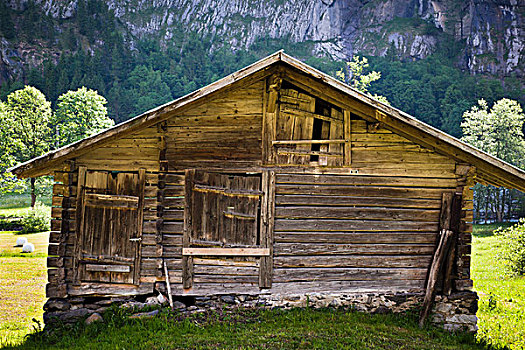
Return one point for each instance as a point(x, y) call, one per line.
point(455, 222)
point(167, 276)
point(187, 261)
point(107, 268)
point(79, 220)
point(307, 142)
point(225, 252)
point(435, 269)
point(347, 138)
point(140, 220)
point(267, 228)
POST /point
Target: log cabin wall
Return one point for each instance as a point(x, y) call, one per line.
point(363, 216)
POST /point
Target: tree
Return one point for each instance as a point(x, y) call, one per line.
point(498, 131)
point(8, 182)
point(79, 114)
point(356, 78)
point(27, 117)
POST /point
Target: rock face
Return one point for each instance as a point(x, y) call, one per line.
point(492, 32)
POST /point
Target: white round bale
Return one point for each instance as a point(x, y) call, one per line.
point(20, 241)
point(28, 248)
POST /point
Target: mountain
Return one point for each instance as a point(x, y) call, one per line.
point(61, 44)
point(491, 32)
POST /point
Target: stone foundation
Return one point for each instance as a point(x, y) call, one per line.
point(456, 312)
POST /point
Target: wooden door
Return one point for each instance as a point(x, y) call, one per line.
point(222, 218)
point(109, 226)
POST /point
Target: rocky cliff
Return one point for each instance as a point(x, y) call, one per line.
point(490, 33)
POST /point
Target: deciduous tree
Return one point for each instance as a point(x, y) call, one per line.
point(498, 131)
point(79, 114)
point(28, 114)
point(356, 78)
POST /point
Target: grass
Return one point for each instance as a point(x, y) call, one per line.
point(270, 329)
point(22, 295)
point(502, 298)
point(22, 285)
point(15, 203)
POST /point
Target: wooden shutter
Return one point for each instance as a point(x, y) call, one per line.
point(309, 131)
point(222, 218)
point(110, 227)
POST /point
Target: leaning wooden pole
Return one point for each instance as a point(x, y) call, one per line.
point(168, 286)
point(435, 269)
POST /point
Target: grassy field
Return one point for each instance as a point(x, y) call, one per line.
point(502, 299)
point(22, 281)
point(22, 276)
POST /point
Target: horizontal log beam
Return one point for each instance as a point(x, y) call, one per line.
point(226, 251)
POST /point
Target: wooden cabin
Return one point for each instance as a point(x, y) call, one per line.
point(275, 180)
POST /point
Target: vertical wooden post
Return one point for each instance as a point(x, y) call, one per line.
point(454, 227)
point(270, 110)
point(435, 268)
point(439, 255)
point(140, 220)
point(161, 184)
point(347, 120)
point(79, 220)
point(168, 284)
point(187, 261)
point(267, 214)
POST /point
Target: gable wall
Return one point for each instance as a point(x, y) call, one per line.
point(324, 236)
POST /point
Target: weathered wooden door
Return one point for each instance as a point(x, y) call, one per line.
point(109, 226)
point(222, 218)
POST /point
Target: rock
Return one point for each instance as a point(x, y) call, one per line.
point(57, 304)
point(28, 248)
point(145, 314)
point(444, 308)
point(20, 241)
point(381, 310)
point(228, 299)
point(178, 305)
point(152, 301)
point(335, 303)
point(67, 317)
point(104, 302)
point(94, 318)
point(76, 300)
point(453, 327)
point(133, 304)
point(463, 319)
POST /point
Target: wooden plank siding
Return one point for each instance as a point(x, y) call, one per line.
point(342, 228)
point(223, 133)
point(365, 223)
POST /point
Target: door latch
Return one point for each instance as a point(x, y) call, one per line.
point(138, 239)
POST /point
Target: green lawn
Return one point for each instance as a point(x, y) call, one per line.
point(272, 329)
point(502, 299)
point(502, 316)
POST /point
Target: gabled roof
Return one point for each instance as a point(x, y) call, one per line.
point(489, 168)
